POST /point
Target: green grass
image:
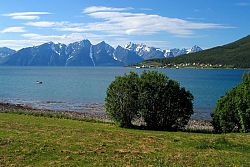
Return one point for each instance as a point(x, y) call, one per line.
point(27, 140)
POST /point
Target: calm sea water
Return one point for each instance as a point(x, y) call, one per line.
point(71, 88)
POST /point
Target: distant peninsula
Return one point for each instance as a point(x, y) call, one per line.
point(232, 55)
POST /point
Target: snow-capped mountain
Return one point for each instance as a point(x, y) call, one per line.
point(78, 54)
point(145, 51)
point(177, 52)
point(151, 52)
point(126, 56)
point(83, 53)
point(194, 49)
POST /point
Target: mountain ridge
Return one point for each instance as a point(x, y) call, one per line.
point(83, 53)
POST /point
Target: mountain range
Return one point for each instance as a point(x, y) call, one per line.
point(232, 55)
point(83, 53)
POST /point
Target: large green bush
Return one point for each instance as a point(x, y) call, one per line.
point(159, 101)
point(232, 112)
point(121, 102)
point(163, 103)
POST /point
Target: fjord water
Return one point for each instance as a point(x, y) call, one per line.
point(71, 88)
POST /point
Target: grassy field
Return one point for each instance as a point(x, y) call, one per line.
point(27, 140)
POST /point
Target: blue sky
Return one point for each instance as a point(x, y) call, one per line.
point(160, 23)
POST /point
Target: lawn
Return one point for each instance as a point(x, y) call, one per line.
point(27, 140)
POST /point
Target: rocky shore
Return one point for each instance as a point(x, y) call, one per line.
point(93, 112)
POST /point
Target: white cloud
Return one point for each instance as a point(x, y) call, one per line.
point(123, 41)
point(72, 29)
point(45, 24)
point(26, 15)
point(103, 8)
point(66, 38)
point(125, 23)
point(73, 37)
point(55, 38)
point(60, 26)
point(117, 21)
point(31, 39)
point(114, 25)
point(38, 39)
point(13, 30)
point(158, 44)
point(18, 44)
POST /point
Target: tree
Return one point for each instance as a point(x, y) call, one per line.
point(159, 101)
point(164, 104)
point(121, 102)
point(232, 112)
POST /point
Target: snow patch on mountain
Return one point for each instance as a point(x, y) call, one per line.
point(91, 55)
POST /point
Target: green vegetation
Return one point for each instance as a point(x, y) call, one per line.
point(27, 140)
point(232, 113)
point(233, 55)
point(122, 101)
point(151, 97)
point(163, 103)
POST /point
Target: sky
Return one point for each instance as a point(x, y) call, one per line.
point(160, 23)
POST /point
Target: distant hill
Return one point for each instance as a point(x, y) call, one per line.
point(235, 55)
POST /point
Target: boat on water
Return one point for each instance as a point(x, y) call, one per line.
point(39, 82)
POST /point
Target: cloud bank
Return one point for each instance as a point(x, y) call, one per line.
point(13, 30)
point(112, 24)
point(26, 15)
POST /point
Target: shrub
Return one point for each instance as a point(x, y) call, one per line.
point(121, 102)
point(232, 112)
point(159, 101)
point(164, 104)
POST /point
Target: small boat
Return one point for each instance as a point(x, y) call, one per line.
point(39, 82)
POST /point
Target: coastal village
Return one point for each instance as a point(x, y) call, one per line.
point(183, 65)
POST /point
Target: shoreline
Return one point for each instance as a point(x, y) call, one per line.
point(26, 109)
point(89, 108)
point(179, 67)
point(193, 124)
